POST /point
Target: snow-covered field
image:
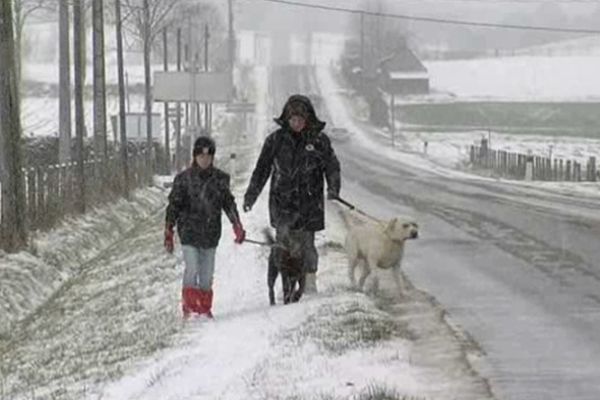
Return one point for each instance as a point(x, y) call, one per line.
point(523, 78)
point(583, 46)
point(39, 113)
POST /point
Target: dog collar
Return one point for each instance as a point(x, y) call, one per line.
point(397, 241)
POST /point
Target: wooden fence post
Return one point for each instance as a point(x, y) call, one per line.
point(31, 198)
point(561, 170)
point(53, 201)
point(592, 169)
point(484, 153)
point(41, 197)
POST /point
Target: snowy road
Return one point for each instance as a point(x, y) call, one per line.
point(518, 270)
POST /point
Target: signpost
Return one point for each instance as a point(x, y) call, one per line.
point(244, 108)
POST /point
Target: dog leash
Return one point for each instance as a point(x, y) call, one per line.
point(259, 243)
point(358, 210)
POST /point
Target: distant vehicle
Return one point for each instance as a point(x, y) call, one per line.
point(337, 134)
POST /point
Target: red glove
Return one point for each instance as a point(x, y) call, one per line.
point(240, 233)
point(169, 234)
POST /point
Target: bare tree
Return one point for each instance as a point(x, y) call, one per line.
point(194, 16)
point(14, 225)
point(79, 116)
point(121, 73)
point(22, 11)
point(381, 36)
point(64, 127)
point(149, 17)
point(100, 137)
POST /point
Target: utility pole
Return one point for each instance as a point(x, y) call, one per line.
point(362, 43)
point(167, 136)
point(178, 123)
point(79, 122)
point(186, 56)
point(232, 44)
point(64, 80)
point(207, 116)
point(147, 81)
point(127, 91)
point(231, 37)
point(393, 117)
point(100, 139)
point(192, 106)
point(122, 124)
point(14, 211)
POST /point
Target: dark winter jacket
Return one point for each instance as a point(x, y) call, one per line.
point(297, 163)
point(195, 203)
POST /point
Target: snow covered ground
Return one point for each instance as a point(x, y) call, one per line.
point(583, 46)
point(331, 346)
point(39, 112)
point(113, 331)
point(29, 279)
point(522, 78)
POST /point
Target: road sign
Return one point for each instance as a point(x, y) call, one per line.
point(202, 87)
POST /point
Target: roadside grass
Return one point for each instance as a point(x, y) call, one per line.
point(340, 326)
point(375, 391)
point(551, 118)
point(378, 391)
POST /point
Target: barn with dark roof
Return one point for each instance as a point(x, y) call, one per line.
point(402, 73)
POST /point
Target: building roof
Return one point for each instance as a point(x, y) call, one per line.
point(402, 60)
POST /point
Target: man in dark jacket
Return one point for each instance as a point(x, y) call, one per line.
point(197, 197)
point(298, 157)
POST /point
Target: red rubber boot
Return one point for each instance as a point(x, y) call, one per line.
point(187, 301)
point(207, 300)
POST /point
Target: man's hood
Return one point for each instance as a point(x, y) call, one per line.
point(313, 122)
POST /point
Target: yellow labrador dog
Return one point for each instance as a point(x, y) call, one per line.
point(378, 245)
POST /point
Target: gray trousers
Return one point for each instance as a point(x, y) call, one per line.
point(299, 244)
point(199, 267)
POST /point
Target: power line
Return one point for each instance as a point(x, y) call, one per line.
point(436, 20)
point(590, 2)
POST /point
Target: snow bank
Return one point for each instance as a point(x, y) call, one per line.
point(29, 278)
